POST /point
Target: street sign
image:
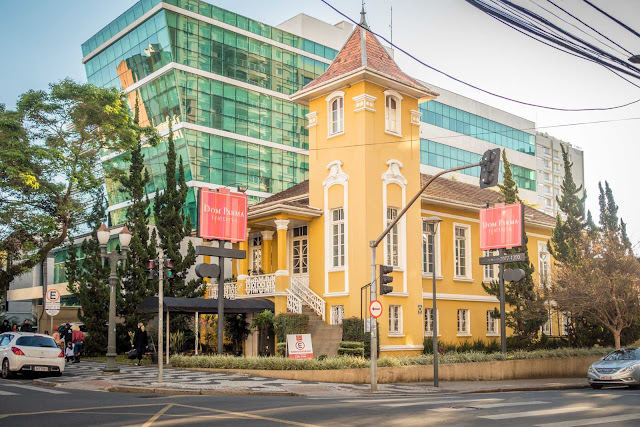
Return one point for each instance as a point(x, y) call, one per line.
point(503, 259)
point(375, 309)
point(300, 346)
point(52, 303)
point(502, 226)
point(514, 275)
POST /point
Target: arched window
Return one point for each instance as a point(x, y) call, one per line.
point(392, 113)
point(336, 113)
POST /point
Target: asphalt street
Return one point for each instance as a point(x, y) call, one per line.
point(25, 404)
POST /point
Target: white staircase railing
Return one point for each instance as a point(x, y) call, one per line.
point(260, 284)
point(230, 290)
point(299, 286)
point(294, 304)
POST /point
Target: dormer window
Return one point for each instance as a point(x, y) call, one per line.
point(335, 106)
point(393, 124)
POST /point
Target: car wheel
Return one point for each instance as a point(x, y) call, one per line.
point(6, 372)
point(596, 386)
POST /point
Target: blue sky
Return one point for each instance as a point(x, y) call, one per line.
point(41, 44)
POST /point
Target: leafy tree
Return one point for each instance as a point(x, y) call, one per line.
point(88, 281)
point(142, 248)
point(173, 227)
point(527, 312)
point(72, 123)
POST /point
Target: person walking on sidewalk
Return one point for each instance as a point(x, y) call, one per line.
point(26, 326)
point(77, 338)
point(5, 326)
point(140, 342)
point(67, 335)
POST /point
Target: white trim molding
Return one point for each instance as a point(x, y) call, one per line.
point(313, 119)
point(461, 297)
point(406, 347)
point(335, 294)
point(393, 176)
point(468, 266)
point(329, 99)
point(281, 273)
point(336, 177)
point(389, 93)
point(282, 224)
point(415, 117)
point(364, 102)
point(267, 234)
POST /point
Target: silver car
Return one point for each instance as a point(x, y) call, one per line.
point(620, 367)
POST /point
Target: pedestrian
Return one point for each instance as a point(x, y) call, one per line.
point(5, 326)
point(77, 338)
point(68, 334)
point(68, 352)
point(56, 338)
point(14, 328)
point(26, 326)
point(46, 332)
point(140, 342)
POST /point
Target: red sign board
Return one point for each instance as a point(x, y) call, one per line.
point(501, 226)
point(222, 215)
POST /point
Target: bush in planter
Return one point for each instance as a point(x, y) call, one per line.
point(352, 329)
point(290, 323)
point(281, 349)
point(348, 348)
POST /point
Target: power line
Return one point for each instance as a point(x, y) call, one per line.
point(622, 24)
point(474, 86)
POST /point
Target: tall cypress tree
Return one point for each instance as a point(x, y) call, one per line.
point(567, 233)
point(88, 282)
point(142, 248)
point(174, 226)
point(609, 221)
point(527, 313)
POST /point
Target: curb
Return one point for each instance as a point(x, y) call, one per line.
point(488, 390)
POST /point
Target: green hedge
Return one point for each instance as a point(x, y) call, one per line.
point(290, 323)
point(349, 344)
point(350, 362)
point(281, 349)
point(348, 348)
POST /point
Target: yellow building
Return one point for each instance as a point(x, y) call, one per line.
point(308, 246)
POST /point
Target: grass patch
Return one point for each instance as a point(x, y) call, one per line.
point(352, 362)
point(120, 359)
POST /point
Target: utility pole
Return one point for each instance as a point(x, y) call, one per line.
point(503, 314)
point(160, 312)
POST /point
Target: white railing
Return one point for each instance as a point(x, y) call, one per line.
point(300, 287)
point(230, 290)
point(294, 304)
point(260, 284)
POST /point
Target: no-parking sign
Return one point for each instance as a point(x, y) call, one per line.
point(52, 303)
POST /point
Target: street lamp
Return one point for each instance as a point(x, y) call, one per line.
point(433, 221)
point(113, 257)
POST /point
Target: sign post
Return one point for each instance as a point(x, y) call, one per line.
point(52, 304)
point(300, 346)
point(502, 227)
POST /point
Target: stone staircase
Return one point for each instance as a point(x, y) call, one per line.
point(325, 338)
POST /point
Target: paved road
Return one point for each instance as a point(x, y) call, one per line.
point(22, 403)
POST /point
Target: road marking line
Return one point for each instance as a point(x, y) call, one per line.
point(437, 402)
point(537, 413)
point(72, 410)
point(34, 388)
point(7, 393)
point(247, 415)
point(490, 406)
point(395, 399)
point(593, 421)
point(157, 415)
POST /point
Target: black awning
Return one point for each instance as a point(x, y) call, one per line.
point(205, 305)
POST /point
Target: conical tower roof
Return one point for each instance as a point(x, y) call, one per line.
point(363, 53)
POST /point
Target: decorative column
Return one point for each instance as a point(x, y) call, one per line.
point(243, 264)
point(282, 274)
point(267, 240)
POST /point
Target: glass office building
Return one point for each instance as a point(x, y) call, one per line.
point(222, 82)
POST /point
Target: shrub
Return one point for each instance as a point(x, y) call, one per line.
point(348, 348)
point(290, 323)
point(349, 344)
point(352, 329)
point(281, 349)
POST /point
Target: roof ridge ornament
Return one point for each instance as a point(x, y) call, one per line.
point(363, 18)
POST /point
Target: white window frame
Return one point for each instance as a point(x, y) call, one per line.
point(389, 245)
point(425, 273)
point(395, 310)
point(547, 328)
point(339, 97)
point(496, 325)
point(467, 253)
point(544, 266)
point(466, 332)
point(337, 314)
point(565, 321)
point(303, 256)
point(255, 251)
point(340, 223)
point(427, 310)
point(395, 130)
point(490, 272)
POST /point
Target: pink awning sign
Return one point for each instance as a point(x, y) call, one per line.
point(222, 215)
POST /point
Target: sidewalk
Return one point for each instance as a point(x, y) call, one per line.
point(143, 379)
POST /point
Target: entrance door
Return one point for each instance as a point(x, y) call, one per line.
point(300, 251)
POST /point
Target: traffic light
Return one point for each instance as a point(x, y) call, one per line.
point(169, 268)
point(490, 168)
point(384, 279)
point(152, 269)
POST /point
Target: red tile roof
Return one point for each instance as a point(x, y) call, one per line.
point(365, 52)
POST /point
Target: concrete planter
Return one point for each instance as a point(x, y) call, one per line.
point(569, 367)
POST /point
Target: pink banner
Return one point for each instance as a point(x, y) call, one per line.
point(222, 215)
point(501, 227)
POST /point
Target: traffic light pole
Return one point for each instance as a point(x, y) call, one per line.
point(160, 312)
point(503, 315)
point(373, 245)
point(221, 301)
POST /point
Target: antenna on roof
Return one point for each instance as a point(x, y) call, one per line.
point(391, 24)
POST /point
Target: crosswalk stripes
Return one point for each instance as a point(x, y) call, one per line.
point(34, 388)
point(542, 412)
point(593, 421)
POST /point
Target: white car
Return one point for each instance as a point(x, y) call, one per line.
point(28, 352)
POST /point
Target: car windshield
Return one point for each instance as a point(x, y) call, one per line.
point(630, 354)
point(35, 341)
